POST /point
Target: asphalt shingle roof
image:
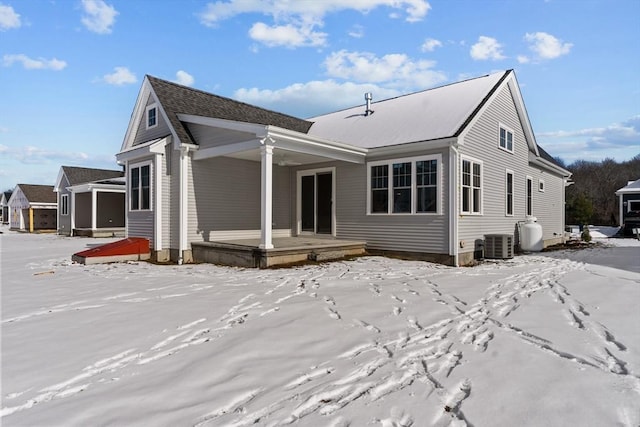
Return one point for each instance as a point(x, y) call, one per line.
point(177, 99)
point(39, 193)
point(78, 175)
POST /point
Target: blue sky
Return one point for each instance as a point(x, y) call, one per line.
point(70, 70)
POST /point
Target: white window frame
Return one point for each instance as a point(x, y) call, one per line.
point(146, 116)
point(64, 204)
point(509, 205)
point(629, 202)
point(414, 191)
point(131, 167)
point(541, 185)
point(471, 192)
point(508, 131)
point(528, 196)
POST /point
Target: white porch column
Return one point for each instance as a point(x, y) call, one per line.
point(266, 196)
point(183, 200)
point(72, 212)
point(94, 208)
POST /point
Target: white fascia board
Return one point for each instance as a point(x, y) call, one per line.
point(137, 114)
point(253, 128)
point(42, 205)
point(155, 146)
point(85, 188)
point(522, 113)
point(58, 186)
point(411, 147)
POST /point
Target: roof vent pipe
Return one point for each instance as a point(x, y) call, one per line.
point(368, 97)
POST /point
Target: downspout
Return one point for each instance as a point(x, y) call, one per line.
point(453, 202)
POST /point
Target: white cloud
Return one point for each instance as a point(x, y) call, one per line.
point(37, 155)
point(523, 59)
point(430, 45)
point(395, 70)
point(487, 48)
point(34, 64)
point(120, 76)
point(184, 78)
point(313, 98)
point(99, 17)
point(621, 140)
point(296, 22)
point(546, 46)
point(9, 19)
point(286, 35)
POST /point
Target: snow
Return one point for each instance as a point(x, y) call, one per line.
point(550, 338)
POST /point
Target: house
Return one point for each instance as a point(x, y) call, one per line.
point(32, 208)
point(426, 175)
point(4, 207)
point(629, 198)
point(91, 202)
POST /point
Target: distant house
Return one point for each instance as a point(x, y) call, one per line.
point(91, 202)
point(629, 202)
point(426, 175)
point(33, 208)
point(4, 207)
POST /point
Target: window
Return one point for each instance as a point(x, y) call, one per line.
point(64, 204)
point(152, 116)
point(413, 188)
point(506, 138)
point(509, 193)
point(471, 187)
point(140, 188)
point(633, 205)
point(541, 185)
point(529, 203)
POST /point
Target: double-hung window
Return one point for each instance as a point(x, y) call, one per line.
point(404, 186)
point(471, 187)
point(509, 193)
point(505, 138)
point(64, 204)
point(152, 116)
point(140, 187)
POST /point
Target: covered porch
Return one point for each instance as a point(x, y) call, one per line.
point(97, 209)
point(284, 251)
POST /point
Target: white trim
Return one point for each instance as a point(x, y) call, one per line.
point(508, 172)
point(64, 212)
point(315, 172)
point(414, 192)
point(528, 179)
point(471, 197)
point(183, 214)
point(508, 130)
point(629, 204)
point(94, 208)
point(541, 187)
point(453, 203)
point(140, 165)
point(157, 191)
point(150, 107)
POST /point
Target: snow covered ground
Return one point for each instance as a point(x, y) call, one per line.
point(547, 339)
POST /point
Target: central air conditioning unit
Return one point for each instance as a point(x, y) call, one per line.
point(498, 246)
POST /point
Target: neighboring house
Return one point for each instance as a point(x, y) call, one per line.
point(427, 174)
point(629, 198)
point(91, 202)
point(4, 207)
point(32, 208)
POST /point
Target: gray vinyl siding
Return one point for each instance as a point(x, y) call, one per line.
point(406, 233)
point(110, 209)
point(83, 210)
point(141, 223)
point(548, 206)
point(224, 195)
point(143, 134)
point(64, 221)
point(481, 143)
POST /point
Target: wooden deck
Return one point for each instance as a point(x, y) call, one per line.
point(286, 250)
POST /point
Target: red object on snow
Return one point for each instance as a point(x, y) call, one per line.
point(131, 246)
